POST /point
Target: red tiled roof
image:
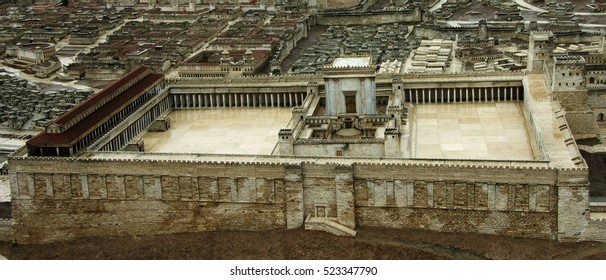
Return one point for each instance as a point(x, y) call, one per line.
point(91, 101)
point(74, 133)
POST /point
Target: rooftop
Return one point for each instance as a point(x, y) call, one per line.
point(351, 62)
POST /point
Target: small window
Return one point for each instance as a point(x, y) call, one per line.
point(339, 153)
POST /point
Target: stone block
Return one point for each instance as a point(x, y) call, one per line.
point(133, 186)
point(115, 187)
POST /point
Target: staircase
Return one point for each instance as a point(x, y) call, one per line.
point(329, 225)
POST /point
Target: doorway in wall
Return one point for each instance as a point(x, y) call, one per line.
point(350, 101)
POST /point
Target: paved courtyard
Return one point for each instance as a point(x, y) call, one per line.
point(485, 130)
point(220, 131)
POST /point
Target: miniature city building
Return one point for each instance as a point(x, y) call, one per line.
point(36, 52)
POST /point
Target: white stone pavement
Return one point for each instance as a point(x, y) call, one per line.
point(483, 130)
point(220, 131)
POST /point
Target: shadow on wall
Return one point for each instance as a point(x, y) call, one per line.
point(597, 177)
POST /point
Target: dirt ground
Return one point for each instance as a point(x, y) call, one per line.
point(370, 243)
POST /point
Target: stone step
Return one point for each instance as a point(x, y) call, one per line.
point(329, 225)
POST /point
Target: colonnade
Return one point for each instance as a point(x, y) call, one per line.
point(286, 99)
point(141, 124)
point(466, 94)
point(102, 129)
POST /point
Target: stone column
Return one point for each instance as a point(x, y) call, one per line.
point(517, 93)
point(422, 95)
point(448, 95)
point(435, 95)
point(345, 196)
point(293, 185)
point(410, 95)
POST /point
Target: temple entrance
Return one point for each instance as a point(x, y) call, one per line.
point(320, 210)
point(350, 103)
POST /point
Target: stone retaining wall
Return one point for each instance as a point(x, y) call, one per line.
point(59, 199)
point(6, 230)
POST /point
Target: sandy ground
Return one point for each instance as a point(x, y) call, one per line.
point(370, 243)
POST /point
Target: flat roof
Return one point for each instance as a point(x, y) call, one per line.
point(351, 62)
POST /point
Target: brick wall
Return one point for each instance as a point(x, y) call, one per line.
point(152, 198)
point(58, 199)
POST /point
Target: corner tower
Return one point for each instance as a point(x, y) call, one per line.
point(569, 88)
point(540, 50)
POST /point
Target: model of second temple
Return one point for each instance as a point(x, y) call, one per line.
point(350, 118)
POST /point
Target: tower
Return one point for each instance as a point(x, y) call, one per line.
point(225, 61)
point(540, 50)
point(483, 29)
point(569, 88)
point(568, 74)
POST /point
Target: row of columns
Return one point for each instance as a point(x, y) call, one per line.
point(289, 99)
point(117, 118)
point(141, 124)
point(453, 95)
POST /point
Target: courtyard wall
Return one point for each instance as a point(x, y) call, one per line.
point(65, 198)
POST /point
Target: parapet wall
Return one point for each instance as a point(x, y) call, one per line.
point(66, 198)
